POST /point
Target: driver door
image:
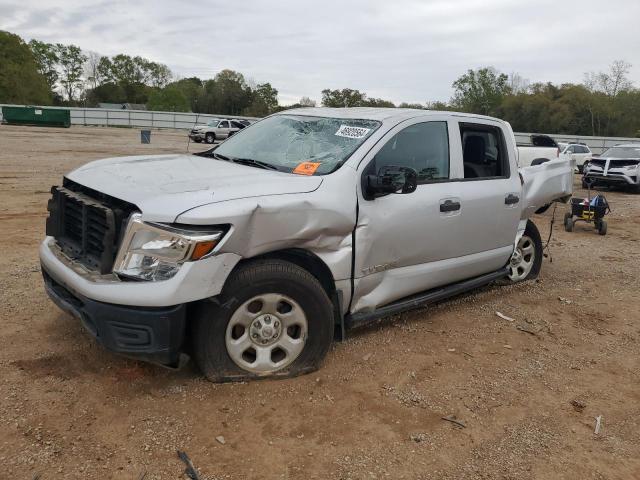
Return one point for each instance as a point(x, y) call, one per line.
point(405, 243)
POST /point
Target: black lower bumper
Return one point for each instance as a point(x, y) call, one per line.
point(146, 333)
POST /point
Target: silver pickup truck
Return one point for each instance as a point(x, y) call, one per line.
point(251, 257)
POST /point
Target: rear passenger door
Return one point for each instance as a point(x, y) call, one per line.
point(490, 191)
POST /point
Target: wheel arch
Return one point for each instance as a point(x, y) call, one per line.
point(305, 259)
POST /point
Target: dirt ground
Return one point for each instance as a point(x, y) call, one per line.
point(70, 409)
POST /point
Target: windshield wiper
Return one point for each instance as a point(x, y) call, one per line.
point(254, 163)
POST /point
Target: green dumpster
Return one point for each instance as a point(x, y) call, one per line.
point(45, 117)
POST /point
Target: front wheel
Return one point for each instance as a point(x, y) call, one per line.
point(273, 318)
point(526, 259)
point(210, 137)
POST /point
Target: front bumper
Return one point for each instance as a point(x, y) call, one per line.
point(616, 176)
point(196, 136)
point(194, 281)
point(151, 334)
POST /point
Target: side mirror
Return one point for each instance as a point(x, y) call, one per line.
point(391, 179)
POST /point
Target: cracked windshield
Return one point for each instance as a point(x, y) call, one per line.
point(299, 144)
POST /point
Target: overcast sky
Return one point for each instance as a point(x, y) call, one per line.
point(400, 50)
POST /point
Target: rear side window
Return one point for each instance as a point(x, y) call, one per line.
point(484, 152)
point(423, 147)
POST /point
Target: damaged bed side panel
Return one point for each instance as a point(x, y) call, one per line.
point(545, 183)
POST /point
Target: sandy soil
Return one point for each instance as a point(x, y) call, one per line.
point(69, 409)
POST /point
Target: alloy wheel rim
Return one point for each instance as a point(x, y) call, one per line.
point(266, 333)
point(522, 259)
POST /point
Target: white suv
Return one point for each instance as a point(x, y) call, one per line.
point(578, 152)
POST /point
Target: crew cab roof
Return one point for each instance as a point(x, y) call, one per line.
point(392, 115)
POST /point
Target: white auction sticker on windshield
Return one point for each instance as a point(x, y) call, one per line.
point(352, 132)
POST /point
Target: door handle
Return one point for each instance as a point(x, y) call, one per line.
point(449, 206)
point(511, 199)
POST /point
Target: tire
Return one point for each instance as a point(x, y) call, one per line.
point(526, 260)
point(210, 137)
point(568, 222)
point(197, 140)
point(602, 227)
point(227, 345)
point(580, 169)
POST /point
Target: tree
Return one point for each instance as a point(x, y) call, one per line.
point(378, 102)
point(480, 91)
point(346, 97)
point(92, 69)
point(307, 102)
point(265, 100)
point(228, 94)
point(46, 56)
point(124, 69)
point(418, 106)
point(158, 74)
point(192, 89)
point(20, 80)
point(71, 61)
point(104, 71)
point(610, 83)
point(168, 99)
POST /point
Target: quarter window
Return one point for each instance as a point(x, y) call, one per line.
point(423, 147)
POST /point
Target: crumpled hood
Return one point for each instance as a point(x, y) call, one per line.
point(163, 186)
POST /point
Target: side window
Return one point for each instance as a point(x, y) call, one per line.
point(484, 151)
point(423, 147)
point(223, 124)
point(236, 125)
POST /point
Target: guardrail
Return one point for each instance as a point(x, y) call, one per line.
point(108, 117)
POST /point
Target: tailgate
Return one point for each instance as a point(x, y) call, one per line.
point(544, 183)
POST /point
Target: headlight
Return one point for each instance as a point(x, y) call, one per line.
point(156, 252)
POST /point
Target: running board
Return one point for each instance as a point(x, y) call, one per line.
point(361, 319)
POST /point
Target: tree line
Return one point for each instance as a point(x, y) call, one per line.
point(605, 103)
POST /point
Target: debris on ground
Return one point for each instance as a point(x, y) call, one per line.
point(598, 424)
point(504, 317)
point(419, 437)
point(190, 471)
point(578, 405)
point(220, 439)
point(454, 420)
point(525, 329)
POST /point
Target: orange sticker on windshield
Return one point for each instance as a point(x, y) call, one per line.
point(306, 168)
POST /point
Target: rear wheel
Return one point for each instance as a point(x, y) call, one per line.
point(272, 319)
point(602, 227)
point(568, 222)
point(526, 259)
